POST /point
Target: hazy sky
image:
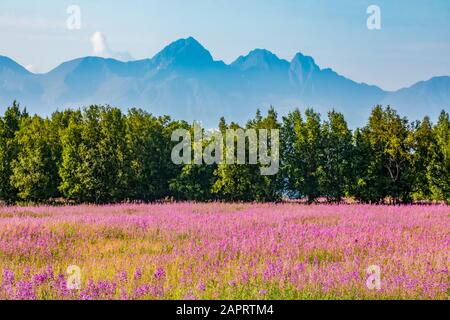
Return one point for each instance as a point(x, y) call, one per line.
point(413, 43)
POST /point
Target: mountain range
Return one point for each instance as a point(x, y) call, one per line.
point(185, 82)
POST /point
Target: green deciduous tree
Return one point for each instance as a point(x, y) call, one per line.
point(363, 180)
point(195, 182)
point(244, 182)
point(334, 171)
point(35, 171)
point(9, 125)
point(93, 167)
point(439, 166)
point(302, 151)
point(389, 171)
point(148, 156)
point(423, 140)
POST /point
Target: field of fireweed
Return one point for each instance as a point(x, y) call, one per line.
point(225, 251)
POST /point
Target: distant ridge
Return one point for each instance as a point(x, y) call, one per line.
point(184, 81)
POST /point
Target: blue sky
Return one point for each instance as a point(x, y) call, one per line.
point(413, 43)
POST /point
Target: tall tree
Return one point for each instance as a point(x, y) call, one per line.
point(302, 153)
point(439, 166)
point(335, 163)
point(148, 156)
point(389, 172)
point(363, 178)
point(268, 186)
point(245, 182)
point(423, 140)
point(35, 172)
point(234, 182)
point(9, 125)
point(94, 156)
point(70, 169)
point(292, 165)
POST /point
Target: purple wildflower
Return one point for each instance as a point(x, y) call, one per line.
point(8, 277)
point(159, 274)
point(138, 274)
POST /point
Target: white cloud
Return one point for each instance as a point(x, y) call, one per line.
point(101, 48)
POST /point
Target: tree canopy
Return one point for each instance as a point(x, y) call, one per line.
point(101, 155)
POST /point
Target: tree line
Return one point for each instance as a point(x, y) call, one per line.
point(101, 155)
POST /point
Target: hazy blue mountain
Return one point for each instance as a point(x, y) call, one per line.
point(260, 60)
point(9, 65)
point(425, 97)
point(17, 82)
point(324, 89)
point(185, 54)
point(184, 81)
point(262, 71)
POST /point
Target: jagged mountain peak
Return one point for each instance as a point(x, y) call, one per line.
point(187, 52)
point(302, 68)
point(260, 59)
point(306, 62)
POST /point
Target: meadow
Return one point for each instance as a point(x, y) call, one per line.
point(225, 251)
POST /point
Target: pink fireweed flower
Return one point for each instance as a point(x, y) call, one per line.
point(8, 277)
point(123, 277)
point(141, 291)
point(25, 291)
point(201, 286)
point(27, 272)
point(159, 274)
point(138, 274)
point(40, 278)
